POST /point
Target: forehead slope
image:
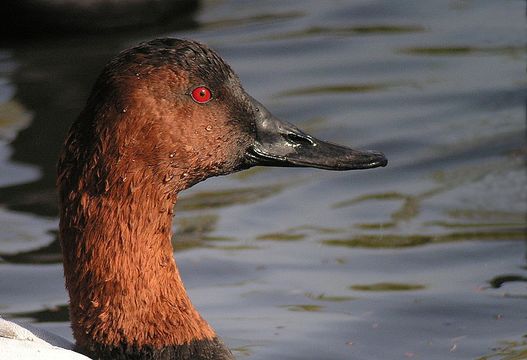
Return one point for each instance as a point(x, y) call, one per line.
point(193, 58)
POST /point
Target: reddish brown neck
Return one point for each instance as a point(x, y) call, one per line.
point(122, 279)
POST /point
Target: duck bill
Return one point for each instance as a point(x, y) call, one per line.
point(279, 143)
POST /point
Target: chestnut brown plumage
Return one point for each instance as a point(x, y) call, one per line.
point(140, 140)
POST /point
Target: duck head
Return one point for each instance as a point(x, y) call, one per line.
point(176, 105)
point(161, 117)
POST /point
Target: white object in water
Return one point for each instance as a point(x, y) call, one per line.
point(18, 343)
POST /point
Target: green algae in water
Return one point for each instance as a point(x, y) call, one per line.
point(463, 50)
point(331, 298)
point(260, 18)
point(192, 231)
point(380, 241)
point(388, 29)
point(297, 233)
point(411, 204)
point(335, 89)
point(317, 229)
point(304, 307)
point(380, 29)
point(376, 226)
point(249, 173)
point(368, 197)
point(454, 225)
point(195, 226)
point(228, 197)
point(236, 247)
point(401, 241)
point(507, 234)
point(387, 286)
point(181, 245)
point(281, 237)
point(487, 215)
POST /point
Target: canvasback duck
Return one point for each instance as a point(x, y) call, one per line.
point(161, 117)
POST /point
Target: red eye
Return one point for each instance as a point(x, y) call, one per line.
point(201, 95)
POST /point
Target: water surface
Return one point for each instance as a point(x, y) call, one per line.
point(422, 259)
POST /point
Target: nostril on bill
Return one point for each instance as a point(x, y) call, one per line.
point(299, 140)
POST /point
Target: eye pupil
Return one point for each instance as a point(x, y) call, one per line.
point(201, 94)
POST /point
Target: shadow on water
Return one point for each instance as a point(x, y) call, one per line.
point(470, 224)
point(53, 78)
point(54, 314)
point(49, 254)
point(228, 197)
point(30, 19)
point(191, 232)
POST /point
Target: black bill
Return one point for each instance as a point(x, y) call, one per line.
point(279, 143)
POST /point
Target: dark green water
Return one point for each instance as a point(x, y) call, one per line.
point(424, 259)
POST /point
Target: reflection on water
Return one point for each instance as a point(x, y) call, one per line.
point(325, 297)
point(466, 50)
point(318, 90)
point(228, 197)
point(48, 254)
point(349, 30)
point(305, 307)
point(57, 313)
point(260, 18)
point(487, 225)
point(275, 258)
point(281, 237)
point(499, 281)
point(384, 286)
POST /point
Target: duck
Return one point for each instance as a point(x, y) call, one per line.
point(161, 117)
